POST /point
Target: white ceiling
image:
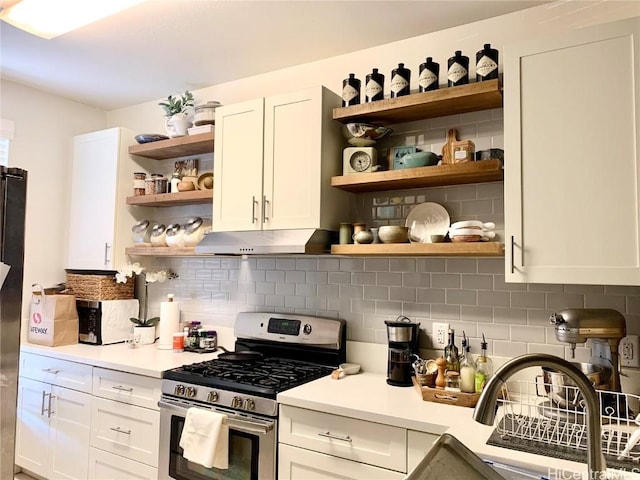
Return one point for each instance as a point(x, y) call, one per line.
point(164, 46)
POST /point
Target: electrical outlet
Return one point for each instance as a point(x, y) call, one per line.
point(440, 334)
point(629, 351)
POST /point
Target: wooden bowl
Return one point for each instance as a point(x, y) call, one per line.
point(393, 234)
point(186, 186)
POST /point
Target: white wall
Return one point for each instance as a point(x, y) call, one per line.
point(42, 145)
point(499, 31)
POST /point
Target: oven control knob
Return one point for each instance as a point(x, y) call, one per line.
point(191, 392)
point(236, 402)
point(249, 404)
point(179, 390)
point(212, 397)
point(306, 329)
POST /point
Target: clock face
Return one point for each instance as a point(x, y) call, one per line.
point(360, 161)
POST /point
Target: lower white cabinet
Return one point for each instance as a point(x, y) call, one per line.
point(52, 432)
point(107, 466)
point(316, 445)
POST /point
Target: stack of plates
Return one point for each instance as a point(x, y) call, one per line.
point(472, 231)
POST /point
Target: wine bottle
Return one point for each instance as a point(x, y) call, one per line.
point(400, 81)
point(350, 91)
point(428, 79)
point(486, 63)
point(451, 353)
point(374, 86)
point(458, 70)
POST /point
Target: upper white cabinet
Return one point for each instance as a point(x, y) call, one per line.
point(572, 173)
point(101, 178)
point(275, 157)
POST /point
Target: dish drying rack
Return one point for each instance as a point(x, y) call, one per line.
point(530, 413)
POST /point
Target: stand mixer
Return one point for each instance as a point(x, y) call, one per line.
point(604, 326)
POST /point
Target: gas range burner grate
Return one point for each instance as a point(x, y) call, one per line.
point(275, 374)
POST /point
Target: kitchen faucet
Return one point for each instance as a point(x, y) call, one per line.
point(487, 406)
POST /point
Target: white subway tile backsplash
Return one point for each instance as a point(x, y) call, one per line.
point(512, 316)
point(296, 276)
point(617, 302)
point(430, 295)
point(527, 300)
point(376, 264)
point(445, 312)
point(285, 288)
point(477, 282)
point(558, 301)
point(520, 333)
point(402, 294)
point(419, 280)
point(461, 297)
point(275, 276)
point(389, 279)
point(403, 265)
point(376, 293)
point(503, 348)
point(493, 299)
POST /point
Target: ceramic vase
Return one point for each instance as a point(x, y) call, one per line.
point(144, 335)
point(177, 125)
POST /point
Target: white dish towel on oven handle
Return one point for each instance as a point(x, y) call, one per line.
point(205, 438)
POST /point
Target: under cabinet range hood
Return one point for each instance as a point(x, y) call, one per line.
point(263, 242)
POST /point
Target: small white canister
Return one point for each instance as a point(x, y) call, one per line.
point(159, 235)
point(205, 114)
point(194, 230)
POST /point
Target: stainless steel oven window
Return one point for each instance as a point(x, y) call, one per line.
point(252, 447)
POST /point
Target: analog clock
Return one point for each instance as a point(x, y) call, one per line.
point(358, 160)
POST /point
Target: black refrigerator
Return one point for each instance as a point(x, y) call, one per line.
point(13, 196)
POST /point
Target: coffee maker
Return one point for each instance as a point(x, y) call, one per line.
point(604, 327)
point(403, 344)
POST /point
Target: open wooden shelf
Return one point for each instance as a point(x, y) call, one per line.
point(175, 147)
point(455, 174)
point(420, 106)
point(145, 251)
point(192, 197)
point(467, 249)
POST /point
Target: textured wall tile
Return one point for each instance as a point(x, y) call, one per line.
point(229, 286)
point(445, 280)
point(296, 276)
point(633, 305)
point(622, 290)
point(494, 331)
point(275, 276)
point(351, 291)
point(306, 290)
point(476, 314)
point(328, 290)
point(538, 317)
point(416, 311)
point(392, 309)
point(430, 295)
point(266, 264)
point(491, 265)
point(340, 304)
point(477, 282)
point(339, 278)
point(363, 306)
point(376, 293)
point(376, 264)
point(202, 274)
point(527, 300)
point(402, 264)
point(461, 265)
point(461, 297)
point(317, 277)
point(544, 287)
point(431, 264)
point(294, 301)
point(265, 288)
point(514, 316)
point(559, 301)
point(402, 294)
point(520, 333)
point(316, 303)
point(307, 264)
point(285, 263)
point(617, 302)
point(352, 264)
point(509, 349)
point(328, 264)
point(364, 278)
point(477, 207)
point(500, 285)
point(422, 280)
point(389, 279)
point(556, 350)
point(445, 312)
point(493, 299)
point(285, 288)
point(590, 289)
point(246, 287)
point(212, 286)
point(274, 300)
point(470, 329)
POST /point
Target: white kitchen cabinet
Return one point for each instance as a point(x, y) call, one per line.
point(107, 466)
point(101, 177)
point(571, 121)
point(52, 434)
point(275, 157)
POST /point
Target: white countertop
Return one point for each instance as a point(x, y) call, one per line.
point(367, 396)
point(145, 360)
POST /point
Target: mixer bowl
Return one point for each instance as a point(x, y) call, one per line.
point(363, 134)
point(563, 391)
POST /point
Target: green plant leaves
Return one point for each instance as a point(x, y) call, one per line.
point(173, 105)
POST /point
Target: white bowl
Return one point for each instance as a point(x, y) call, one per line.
point(350, 368)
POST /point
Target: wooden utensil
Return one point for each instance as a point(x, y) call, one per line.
point(447, 148)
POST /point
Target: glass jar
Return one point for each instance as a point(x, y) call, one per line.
point(150, 186)
point(452, 381)
point(141, 231)
point(139, 183)
point(205, 114)
point(161, 184)
point(175, 235)
point(158, 235)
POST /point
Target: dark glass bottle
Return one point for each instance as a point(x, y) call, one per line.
point(429, 72)
point(350, 91)
point(451, 353)
point(400, 81)
point(374, 86)
point(458, 70)
point(486, 63)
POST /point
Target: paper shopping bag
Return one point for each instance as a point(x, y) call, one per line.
point(53, 320)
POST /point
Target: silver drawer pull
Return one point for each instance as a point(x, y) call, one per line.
point(336, 437)
point(51, 370)
point(122, 389)
point(119, 430)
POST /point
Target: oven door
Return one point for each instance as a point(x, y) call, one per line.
point(252, 446)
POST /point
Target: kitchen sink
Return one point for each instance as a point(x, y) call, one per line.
point(510, 471)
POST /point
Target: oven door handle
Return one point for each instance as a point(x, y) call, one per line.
point(237, 421)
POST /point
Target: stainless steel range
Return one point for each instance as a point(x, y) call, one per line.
point(273, 352)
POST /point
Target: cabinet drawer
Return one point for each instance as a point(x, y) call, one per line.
point(107, 466)
point(73, 375)
point(299, 464)
point(126, 387)
point(127, 430)
point(365, 442)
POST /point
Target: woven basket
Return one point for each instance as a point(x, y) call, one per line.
point(99, 287)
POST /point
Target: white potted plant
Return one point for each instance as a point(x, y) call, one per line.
point(144, 330)
point(178, 110)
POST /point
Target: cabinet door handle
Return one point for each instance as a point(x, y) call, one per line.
point(265, 202)
point(254, 202)
point(49, 411)
point(513, 242)
point(107, 247)
point(122, 389)
point(42, 410)
point(336, 437)
point(119, 430)
point(51, 371)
